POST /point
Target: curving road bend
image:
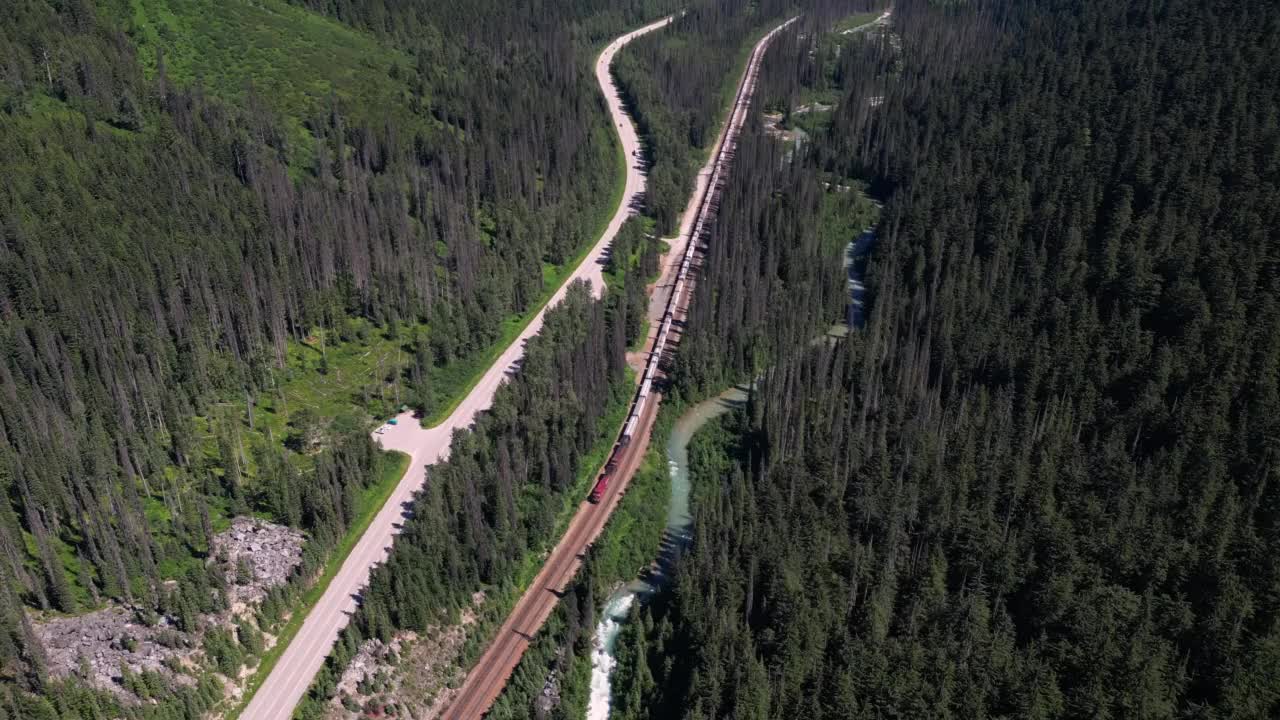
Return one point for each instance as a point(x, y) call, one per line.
point(298, 665)
point(486, 680)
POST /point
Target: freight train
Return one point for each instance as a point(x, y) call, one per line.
point(651, 364)
point(705, 209)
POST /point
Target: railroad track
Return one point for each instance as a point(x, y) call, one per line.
point(490, 675)
point(305, 654)
point(486, 680)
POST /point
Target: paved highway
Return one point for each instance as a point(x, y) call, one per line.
point(485, 681)
point(293, 673)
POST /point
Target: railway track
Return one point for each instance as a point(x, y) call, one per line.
point(490, 675)
point(287, 682)
point(486, 680)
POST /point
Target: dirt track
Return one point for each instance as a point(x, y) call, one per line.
point(490, 675)
point(293, 673)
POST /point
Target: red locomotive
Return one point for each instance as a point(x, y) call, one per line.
point(597, 492)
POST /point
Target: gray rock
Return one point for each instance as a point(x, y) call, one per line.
point(272, 551)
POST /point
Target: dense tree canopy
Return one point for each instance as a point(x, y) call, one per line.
point(498, 495)
point(678, 85)
point(194, 215)
point(1039, 484)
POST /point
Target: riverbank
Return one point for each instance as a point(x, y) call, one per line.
point(675, 538)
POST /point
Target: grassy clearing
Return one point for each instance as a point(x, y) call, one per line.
point(855, 21)
point(296, 61)
point(368, 505)
point(843, 215)
point(814, 121)
point(333, 381)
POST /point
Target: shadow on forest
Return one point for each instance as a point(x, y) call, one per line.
point(673, 544)
point(514, 368)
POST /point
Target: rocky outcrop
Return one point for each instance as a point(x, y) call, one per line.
point(418, 674)
point(100, 646)
point(374, 656)
point(549, 698)
point(256, 555)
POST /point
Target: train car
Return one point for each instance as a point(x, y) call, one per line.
point(628, 429)
point(598, 491)
point(602, 484)
point(708, 205)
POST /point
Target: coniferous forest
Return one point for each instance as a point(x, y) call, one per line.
point(677, 84)
point(214, 217)
point(1040, 481)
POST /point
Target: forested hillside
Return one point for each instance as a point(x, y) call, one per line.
point(772, 279)
point(678, 84)
point(501, 492)
point(232, 234)
point(1039, 483)
point(783, 222)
